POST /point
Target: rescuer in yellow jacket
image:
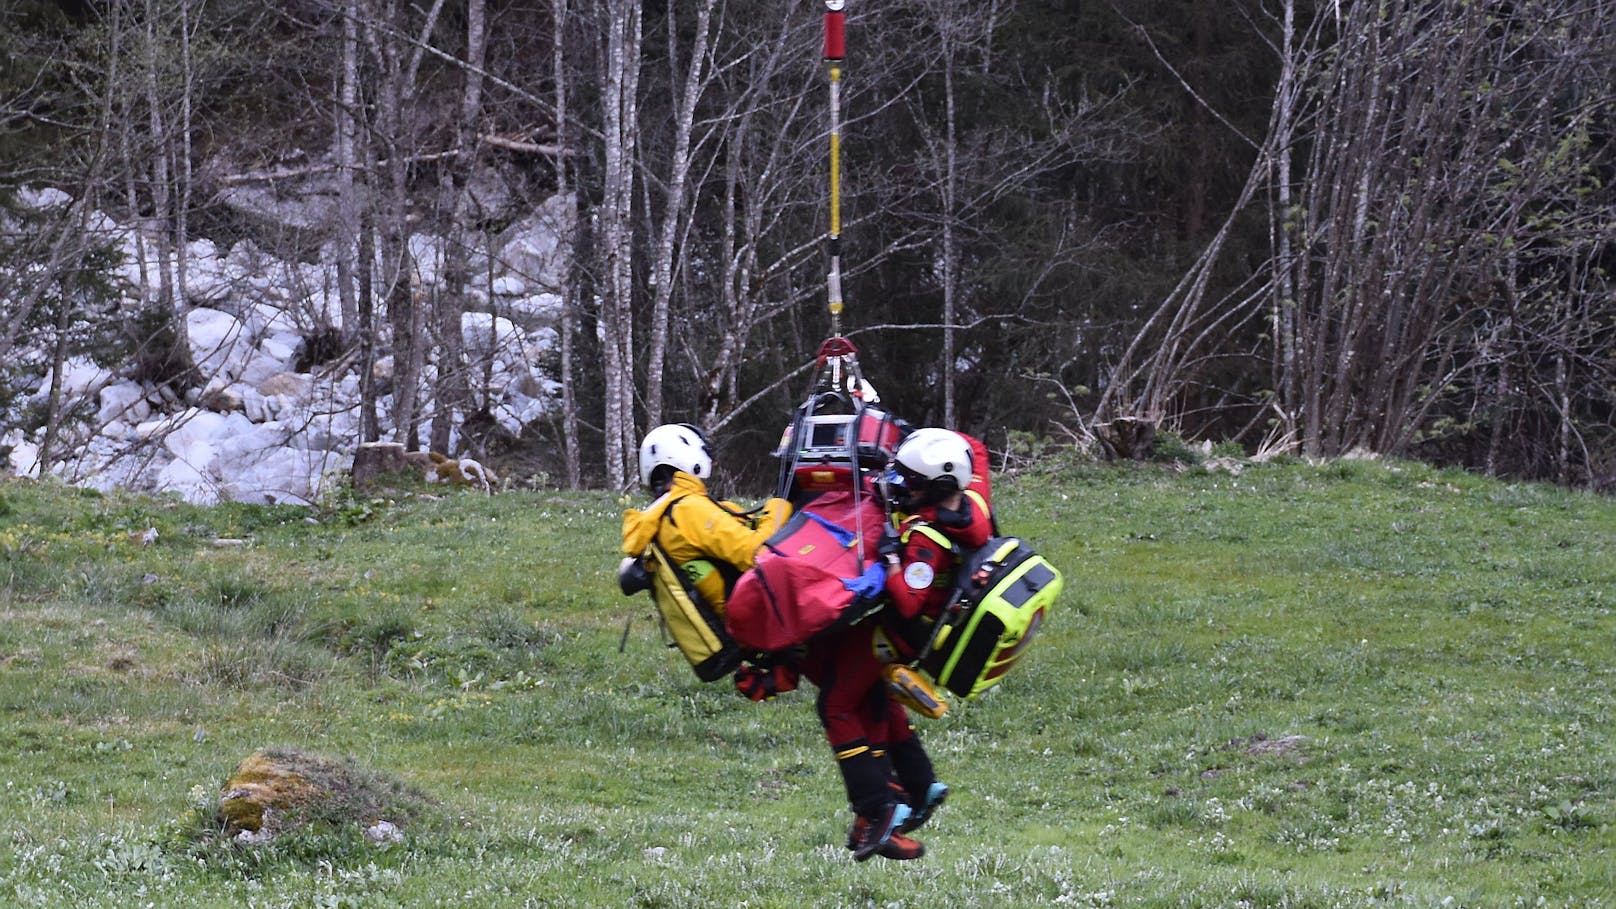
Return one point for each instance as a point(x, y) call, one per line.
point(711, 541)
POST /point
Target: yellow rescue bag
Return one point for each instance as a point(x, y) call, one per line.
point(693, 626)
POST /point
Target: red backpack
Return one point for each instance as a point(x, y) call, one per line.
point(804, 583)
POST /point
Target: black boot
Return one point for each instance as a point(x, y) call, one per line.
point(913, 767)
point(922, 791)
point(866, 776)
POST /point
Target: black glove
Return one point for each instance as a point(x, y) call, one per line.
point(633, 576)
point(890, 543)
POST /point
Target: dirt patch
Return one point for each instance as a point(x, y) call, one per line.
point(1261, 745)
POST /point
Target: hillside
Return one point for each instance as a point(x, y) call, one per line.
point(237, 238)
point(1357, 684)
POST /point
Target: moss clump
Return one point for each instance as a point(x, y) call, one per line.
point(277, 789)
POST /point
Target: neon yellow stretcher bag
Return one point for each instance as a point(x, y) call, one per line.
point(1004, 591)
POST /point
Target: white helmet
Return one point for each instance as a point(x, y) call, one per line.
point(931, 463)
point(678, 445)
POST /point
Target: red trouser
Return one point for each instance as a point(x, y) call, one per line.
point(853, 703)
point(868, 730)
point(861, 721)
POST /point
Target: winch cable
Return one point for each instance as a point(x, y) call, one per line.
point(835, 55)
point(836, 367)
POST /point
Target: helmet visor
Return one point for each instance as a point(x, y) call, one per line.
point(900, 486)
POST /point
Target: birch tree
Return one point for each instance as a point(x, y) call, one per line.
point(561, 22)
point(621, 130)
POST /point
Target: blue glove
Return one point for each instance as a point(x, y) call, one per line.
point(869, 584)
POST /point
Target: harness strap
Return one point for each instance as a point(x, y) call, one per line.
point(930, 533)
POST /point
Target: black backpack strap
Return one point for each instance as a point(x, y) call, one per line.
point(730, 573)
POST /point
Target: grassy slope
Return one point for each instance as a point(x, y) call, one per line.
point(1440, 643)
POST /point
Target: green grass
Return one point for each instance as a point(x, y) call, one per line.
point(1359, 684)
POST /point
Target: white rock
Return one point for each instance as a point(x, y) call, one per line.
point(282, 347)
point(80, 377)
point(488, 192)
point(323, 306)
point(298, 206)
point(509, 286)
point(38, 198)
point(383, 833)
point(291, 428)
point(125, 402)
point(293, 385)
point(202, 248)
point(218, 341)
point(238, 447)
point(258, 408)
point(541, 340)
point(209, 280)
point(532, 248)
point(99, 222)
point(259, 367)
point(482, 333)
point(334, 431)
point(117, 430)
point(192, 483)
point(517, 410)
point(221, 398)
point(536, 309)
point(182, 431)
point(245, 258)
point(24, 459)
point(107, 464)
point(278, 475)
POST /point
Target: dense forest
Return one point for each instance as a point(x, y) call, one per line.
point(1293, 225)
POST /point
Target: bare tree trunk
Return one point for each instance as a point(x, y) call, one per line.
point(182, 240)
point(673, 216)
point(364, 213)
point(365, 302)
point(405, 295)
point(1497, 350)
point(347, 155)
point(622, 81)
point(569, 306)
point(53, 407)
point(399, 269)
point(160, 224)
point(453, 395)
point(1284, 223)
